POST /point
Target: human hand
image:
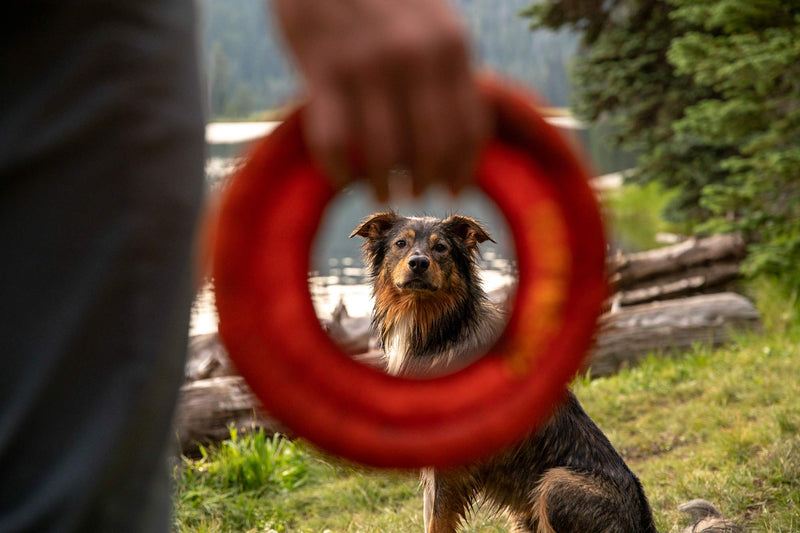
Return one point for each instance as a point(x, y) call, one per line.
point(391, 79)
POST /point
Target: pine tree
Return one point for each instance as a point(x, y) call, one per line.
point(748, 52)
point(622, 75)
point(709, 92)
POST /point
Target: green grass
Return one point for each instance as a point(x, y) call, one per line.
point(720, 424)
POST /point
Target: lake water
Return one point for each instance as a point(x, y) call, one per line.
point(346, 282)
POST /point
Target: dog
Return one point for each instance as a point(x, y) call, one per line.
point(431, 316)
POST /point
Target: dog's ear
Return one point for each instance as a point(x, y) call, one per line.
point(468, 230)
point(376, 225)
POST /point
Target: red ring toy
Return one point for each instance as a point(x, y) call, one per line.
point(268, 219)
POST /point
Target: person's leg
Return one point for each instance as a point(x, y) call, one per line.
point(101, 165)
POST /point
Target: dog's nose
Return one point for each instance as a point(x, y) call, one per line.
point(418, 264)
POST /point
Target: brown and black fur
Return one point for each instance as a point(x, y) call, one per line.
point(432, 315)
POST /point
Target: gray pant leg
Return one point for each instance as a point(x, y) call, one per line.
point(101, 164)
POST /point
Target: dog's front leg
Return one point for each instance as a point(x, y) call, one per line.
point(446, 498)
point(427, 504)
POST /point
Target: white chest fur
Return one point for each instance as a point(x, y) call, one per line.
point(397, 345)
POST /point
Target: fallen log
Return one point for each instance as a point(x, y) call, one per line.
point(207, 358)
point(214, 397)
point(207, 409)
point(626, 271)
point(630, 333)
point(694, 280)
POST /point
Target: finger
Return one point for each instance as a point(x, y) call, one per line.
point(378, 127)
point(328, 131)
point(473, 126)
point(463, 173)
point(381, 188)
point(428, 133)
point(439, 101)
point(465, 112)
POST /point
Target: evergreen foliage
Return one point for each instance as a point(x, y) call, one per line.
point(748, 53)
point(708, 91)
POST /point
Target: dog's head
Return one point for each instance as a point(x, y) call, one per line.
point(421, 255)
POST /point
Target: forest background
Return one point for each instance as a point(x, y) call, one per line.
point(706, 93)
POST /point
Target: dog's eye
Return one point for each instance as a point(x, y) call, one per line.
point(400, 244)
point(439, 247)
